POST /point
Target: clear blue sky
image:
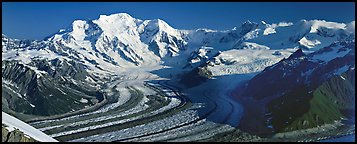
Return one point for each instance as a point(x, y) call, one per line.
point(36, 20)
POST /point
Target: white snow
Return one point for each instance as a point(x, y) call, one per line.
point(89, 79)
point(255, 46)
point(245, 61)
point(61, 91)
point(269, 30)
point(32, 105)
point(126, 40)
point(13, 123)
point(330, 55)
point(27, 55)
point(195, 60)
point(83, 100)
point(284, 24)
point(202, 54)
point(122, 99)
point(285, 35)
point(48, 128)
point(309, 43)
point(316, 24)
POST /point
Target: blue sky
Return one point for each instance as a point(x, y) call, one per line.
point(36, 20)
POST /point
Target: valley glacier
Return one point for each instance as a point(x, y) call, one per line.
point(118, 78)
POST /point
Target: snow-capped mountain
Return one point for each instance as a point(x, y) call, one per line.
point(121, 40)
point(310, 35)
point(298, 75)
point(86, 54)
point(124, 41)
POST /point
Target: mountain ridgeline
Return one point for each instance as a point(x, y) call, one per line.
point(302, 91)
point(304, 70)
point(53, 87)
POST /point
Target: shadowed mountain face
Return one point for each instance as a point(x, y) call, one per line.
point(302, 91)
point(53, 87)
point(301, 69)
point(301, 109)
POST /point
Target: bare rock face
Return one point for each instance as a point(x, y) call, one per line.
point(4, 134)
point(15, 136)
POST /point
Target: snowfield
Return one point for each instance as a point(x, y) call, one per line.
point(246, 61)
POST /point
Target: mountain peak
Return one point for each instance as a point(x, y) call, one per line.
point(316, 24)
point(115, 24)
point(297, 54)
point(116, 16)
point(115, 19)
point(78, 29)
point(79, 24)
point(248, 21)
point(162, 24)
point(248, 26)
